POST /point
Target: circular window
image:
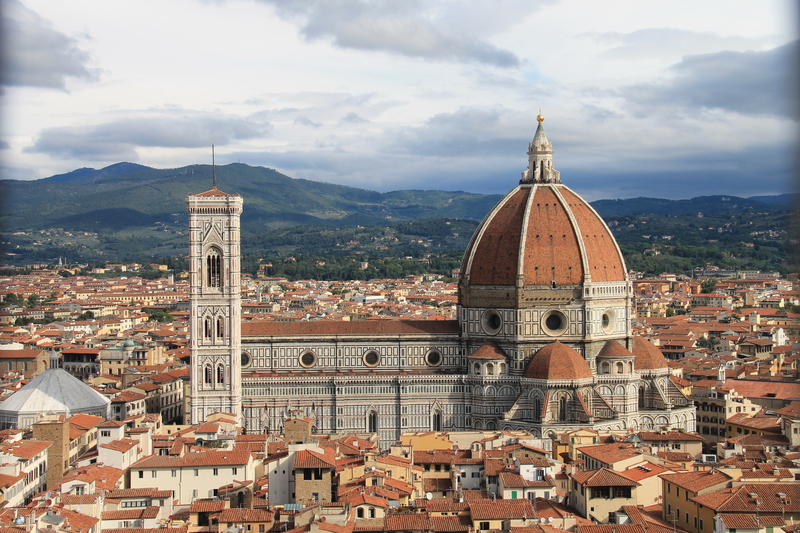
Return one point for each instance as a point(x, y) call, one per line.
point(246, 359)
point(491, 322)
point(371, 358)
point(433, 358)
point(554, 323)
point(308, 359)
point(608, 321)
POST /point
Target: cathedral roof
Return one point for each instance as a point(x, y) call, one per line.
point(557, 361)
point(488, 350)
point(359, 327)
point(542, 233)
point(614, 349)
point(648, 357)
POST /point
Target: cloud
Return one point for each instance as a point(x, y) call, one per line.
point(668, 42)
point(37, 55)
point(406, 28)
point(353, 118)
point(749, 83)
point(4, 145)
point(305, 121)
point(118, 139)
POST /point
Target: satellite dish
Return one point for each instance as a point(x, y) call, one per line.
point(550, 519)
point(428, 496)
point(543, 520)
point(49, 494)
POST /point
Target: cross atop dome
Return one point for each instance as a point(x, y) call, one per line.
point(540, 158)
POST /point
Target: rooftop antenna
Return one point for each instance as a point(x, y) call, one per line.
point(213, 168)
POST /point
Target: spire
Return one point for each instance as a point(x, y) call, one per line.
point(540, 158)
point(213, 169)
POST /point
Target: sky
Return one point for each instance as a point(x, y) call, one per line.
point(664, 99)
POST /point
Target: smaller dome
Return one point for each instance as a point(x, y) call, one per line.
point(613, 349)
point(488, 350)
point(129, 344)
point(557, 361)
point(648, 357)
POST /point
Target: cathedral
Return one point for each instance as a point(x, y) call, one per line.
point(542, 341)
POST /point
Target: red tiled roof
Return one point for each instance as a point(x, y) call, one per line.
point(603, 478)
point(614, 349)
point(355, 328)
point(488, 350)
point(557, 361)
point(648, 357)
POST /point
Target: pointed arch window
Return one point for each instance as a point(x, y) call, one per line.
point(220, 328)
point(537, 409)
point(208, 376)
point(220, 375)
point(372, 422)
point(207, 327)
point(562, 409)
point(436, 421)
point(214, 268)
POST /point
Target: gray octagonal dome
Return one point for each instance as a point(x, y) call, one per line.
point(54, 391)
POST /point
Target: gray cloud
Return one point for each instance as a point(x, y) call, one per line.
point(305, 121)
point(353, 118)
point(4, 145)
point(118, 139)
point(750, 83)
point(404, 28)
point(669, 42)
point(37, 55)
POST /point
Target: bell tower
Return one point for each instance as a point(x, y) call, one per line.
point(215, 303)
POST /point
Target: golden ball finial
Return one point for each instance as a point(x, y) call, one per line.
point(540, 118)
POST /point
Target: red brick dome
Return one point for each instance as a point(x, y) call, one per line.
point(648, 357)
point(557, 361)
point(538, 234)
point(613, 350)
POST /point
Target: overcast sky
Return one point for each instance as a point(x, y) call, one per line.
point(670, 99)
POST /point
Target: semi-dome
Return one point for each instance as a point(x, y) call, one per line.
point(542, 233)
point(488, 350)
point(557, 361)
point(613, 350)
point(648, 357)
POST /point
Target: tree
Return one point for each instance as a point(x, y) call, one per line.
point(161, 316)
point(88, 315)
point(670, 312)
point(32, 301)
point(708, 286)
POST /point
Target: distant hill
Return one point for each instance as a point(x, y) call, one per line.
point(127, 209)
point(709, 205)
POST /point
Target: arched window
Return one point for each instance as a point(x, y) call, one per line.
point(562, 409)
point(208, 375)
point(360, 512)
point(436, 421)
point(220, 375)
point(476, 368)
point(642, 398)
point(207, 327)
point(620, 367)
point(214, 268)
point(372, 512)
point(606, 367)
point(372, 422)
point(220, 328)
point(537, 409)
point(490, 369)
